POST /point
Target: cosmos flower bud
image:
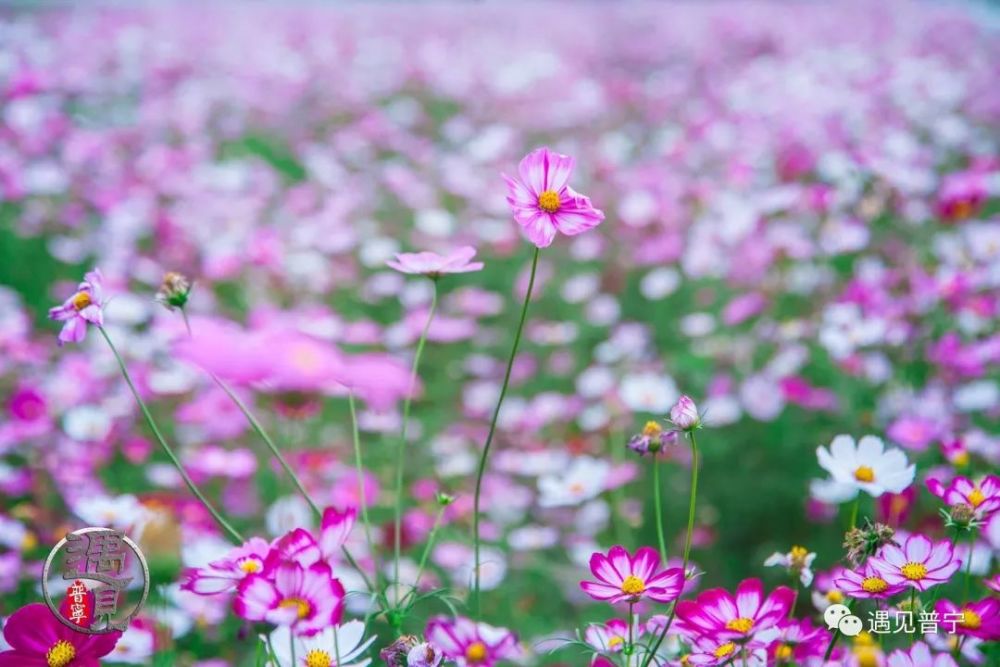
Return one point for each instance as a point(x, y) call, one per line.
point(174, 290)
point(684, 414)
point(444, 499)
point(961, 516)
point(396, 653)
point(424, 655)
point(861, 543)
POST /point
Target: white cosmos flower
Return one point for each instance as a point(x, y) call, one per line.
point(648, 392)
point(584, 480)
point(866, 466)
point(341, 646)
point(798, 561)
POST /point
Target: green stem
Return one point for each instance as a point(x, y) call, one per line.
point(854, 511)
point(427, 551)
point(966, 588)
point(401, 453)
point(658, 508)
point(687, 544)
point(166, 447)
point(493, 426)
point(362, 500)
point(631, 635)
point(835, 637)
point(276, 452)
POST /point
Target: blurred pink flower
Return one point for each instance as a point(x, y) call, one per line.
point(83, 308)
point(542, 201)
point(433, 265)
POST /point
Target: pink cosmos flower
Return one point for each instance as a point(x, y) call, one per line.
point(868, 583)
point(918, 563)
point(919, 655)
point(308, 599)
point(722, 615)
point(225, 574)
point(610, 637)
point(684, 414)
point(38, 639)
point(977, 619)
point(798, 641)
point(433, 265)
point(983, 497)
point(302, 547)
point(80, 309)
point(542, 201)
point(625, 578)
point(707, 650)
point(471, 644)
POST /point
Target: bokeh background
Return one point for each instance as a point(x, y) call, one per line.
point(802, 233)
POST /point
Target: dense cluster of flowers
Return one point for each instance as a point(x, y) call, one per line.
point(372, 381)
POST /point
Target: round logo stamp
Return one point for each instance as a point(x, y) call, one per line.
point(95, 580)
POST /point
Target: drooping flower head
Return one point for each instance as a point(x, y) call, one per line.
point(979, 619)
point(917, 562)
point(622, 577)
point(38, 639)
point(865, 466)
point(740, 617)
point(542, 201)
point(434, 265)
point(85, 306)
point(652, 440)
point(174, 290)
point(471, 644)
point(308, 599)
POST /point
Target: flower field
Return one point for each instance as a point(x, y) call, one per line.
point(475, 334)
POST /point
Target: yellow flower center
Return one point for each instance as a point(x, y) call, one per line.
point(61, 654)
point(318, 658)
point(874, 585)
point(914, 571)
point(976, 497)
point(784, 652)
point(476, 652)
point(834, 596)
point(548, 201)
point(81, 300)
point(740, 625)
point(725, 649)
point(633, 585)
point(971, 620)
point(615, 641)
point(652, 429)
point(250, 566)
point(867, 656)
point(798, 557)
point(302, 607)
point(29, 542)
point(961, 459)
point(864, 474)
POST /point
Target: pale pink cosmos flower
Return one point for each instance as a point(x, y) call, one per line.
point(684, 414)
point(225, 574)
point(918, 562)
point(83, 308)
point(622, 577)
point(433, 265)
point(542, 201)
point(919, 655)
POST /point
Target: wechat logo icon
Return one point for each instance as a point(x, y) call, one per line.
point(839, 617)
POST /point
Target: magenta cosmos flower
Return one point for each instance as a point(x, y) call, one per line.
point(38, 639)
point(308, 599)
point(918, 563)
point(983, 498)
point(542, 201)
point(978, 619)
point(80, 309)
point(433, 265)
point(471, 644)
point(722, 615)
point(625, 578)
point(868, 583)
